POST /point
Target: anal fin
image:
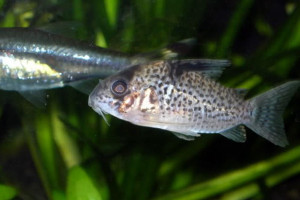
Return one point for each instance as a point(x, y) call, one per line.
point(187, 137)
point(237, 134)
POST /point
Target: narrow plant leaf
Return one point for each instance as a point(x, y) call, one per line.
point(227, 182)
point(64, 141)
point(251, 190)
point(112, 8)
point(36, 156)
point(46, 146)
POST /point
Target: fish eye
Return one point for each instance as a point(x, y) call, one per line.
point(119, 87)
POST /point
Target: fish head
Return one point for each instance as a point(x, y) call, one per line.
point(127, 95)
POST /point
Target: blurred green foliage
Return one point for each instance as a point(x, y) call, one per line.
point(7, 192)
point(66, 151)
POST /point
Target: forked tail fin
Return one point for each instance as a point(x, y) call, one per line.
point(268, 107)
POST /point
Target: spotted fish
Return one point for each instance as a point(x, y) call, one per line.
point(184, 97)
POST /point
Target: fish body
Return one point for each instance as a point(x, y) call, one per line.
point(32, 59)
point(183, 96)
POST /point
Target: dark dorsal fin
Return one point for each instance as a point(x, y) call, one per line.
point(69, 29)
point(211, 68)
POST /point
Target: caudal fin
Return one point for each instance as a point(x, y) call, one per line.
point(268, 107)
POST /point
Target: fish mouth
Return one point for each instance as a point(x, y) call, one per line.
point(91, 101)
point(95, 104)
point(97, 108)
point(92, 97)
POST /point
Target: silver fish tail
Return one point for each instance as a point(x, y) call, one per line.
point(268, 107)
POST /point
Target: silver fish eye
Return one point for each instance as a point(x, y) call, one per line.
point(119, 87)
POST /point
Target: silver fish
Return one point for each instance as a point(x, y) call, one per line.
point(32, 59)
point(182, 96)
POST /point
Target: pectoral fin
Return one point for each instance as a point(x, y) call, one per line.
point(84, 86)
point(36, 97)
point(237, 134)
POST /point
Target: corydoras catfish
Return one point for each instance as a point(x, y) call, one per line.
point(183, 96)
point(32, 59)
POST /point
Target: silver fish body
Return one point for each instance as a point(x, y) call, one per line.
point(32, 59)
point(183, 96)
